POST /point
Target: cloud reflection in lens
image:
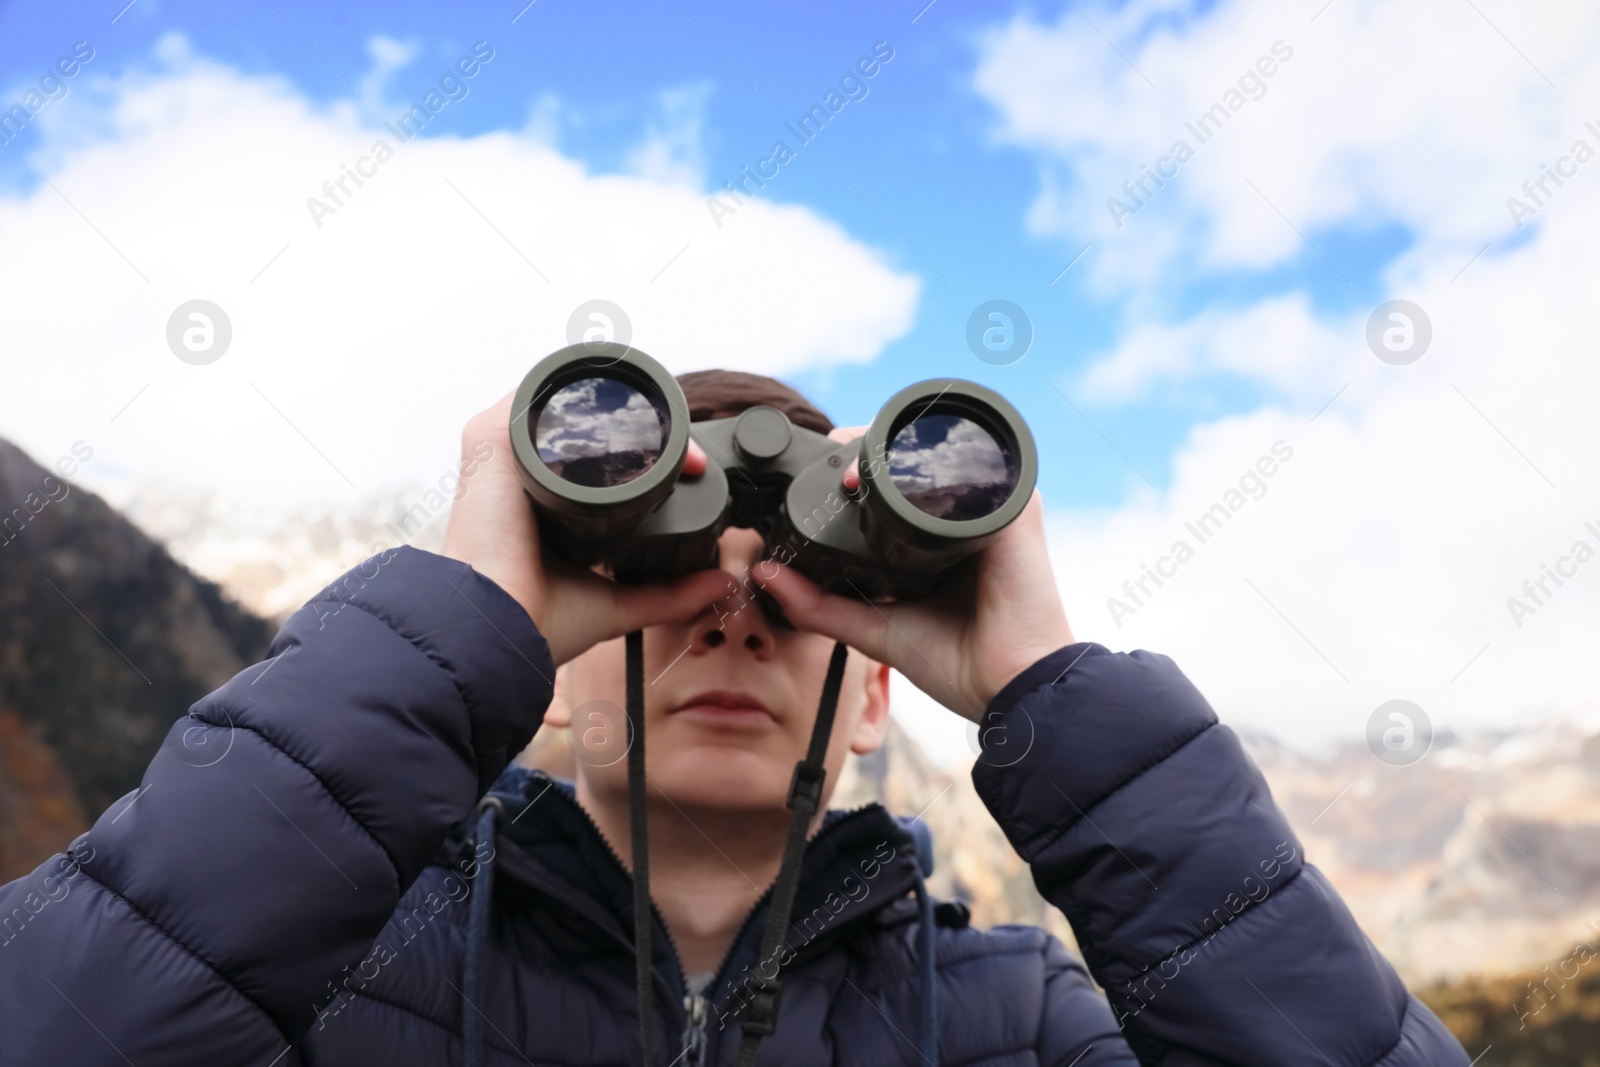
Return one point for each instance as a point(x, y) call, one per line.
point(950, 467)
point(600, 432)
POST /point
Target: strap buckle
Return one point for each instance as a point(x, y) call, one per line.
point(761, 1017)
point(807, 785)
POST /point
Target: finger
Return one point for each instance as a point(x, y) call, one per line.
point(860, 625)
point(852, 474)
point(491, 424)
point(694, 464)
point(661, 603)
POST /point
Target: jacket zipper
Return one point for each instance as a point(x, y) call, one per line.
point(697, 1006)
point(695, 1039)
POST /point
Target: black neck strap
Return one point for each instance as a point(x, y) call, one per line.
point(638, 830)
point(805, 797)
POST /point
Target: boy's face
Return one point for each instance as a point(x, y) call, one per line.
point(729, 705)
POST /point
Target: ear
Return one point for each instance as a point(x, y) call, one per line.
point(558, 714)
point(873, 726)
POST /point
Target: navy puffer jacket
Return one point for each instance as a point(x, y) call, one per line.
point(295, 882)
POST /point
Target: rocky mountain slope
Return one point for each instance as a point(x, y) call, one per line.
point(1481, 858)
point(104, 640)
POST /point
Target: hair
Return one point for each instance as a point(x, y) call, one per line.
point(722, 394)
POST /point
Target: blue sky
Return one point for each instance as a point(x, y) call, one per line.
point(915, 169)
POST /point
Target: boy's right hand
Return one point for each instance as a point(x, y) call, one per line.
point(493, 529)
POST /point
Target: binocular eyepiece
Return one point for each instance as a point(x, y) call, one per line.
point(601, 432)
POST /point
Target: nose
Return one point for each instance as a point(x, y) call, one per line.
point(736, 622)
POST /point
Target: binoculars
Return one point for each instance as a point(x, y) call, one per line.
point(601, 431)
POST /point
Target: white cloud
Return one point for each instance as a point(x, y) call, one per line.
point(426, 294)
point(1277, 341)
point(1377, 562)
point(1380, 560)
point(1421, 114)
point(1414, 507)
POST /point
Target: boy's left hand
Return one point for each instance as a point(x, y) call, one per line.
point(996, 615)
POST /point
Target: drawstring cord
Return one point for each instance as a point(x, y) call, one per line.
point(477, 939)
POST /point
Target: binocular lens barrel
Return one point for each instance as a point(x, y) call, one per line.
point(945, 467)
point(601, 432)
point(598, 445)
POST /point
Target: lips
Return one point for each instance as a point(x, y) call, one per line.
point(725, 707)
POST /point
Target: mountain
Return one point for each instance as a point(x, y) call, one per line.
point(1481, 858)
point(104, 640)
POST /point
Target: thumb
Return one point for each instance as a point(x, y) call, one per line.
point(658, 603)
point(859, 624)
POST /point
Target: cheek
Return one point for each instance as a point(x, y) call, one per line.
point(610, 779)
point(846, 733)
point(805, 660)
point(838, 752)
point(589, 700)
point(847, 724)
point(598, 674)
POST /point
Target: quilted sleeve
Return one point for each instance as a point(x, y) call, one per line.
point(1147, 825)
point(203, 918)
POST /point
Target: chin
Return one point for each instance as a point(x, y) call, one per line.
point(724, 777)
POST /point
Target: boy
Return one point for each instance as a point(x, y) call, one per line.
point(325, 895)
